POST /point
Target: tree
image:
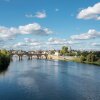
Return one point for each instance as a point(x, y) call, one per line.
point(82, 58)
point(91, 57)
point(52, 52)
point(64, 50)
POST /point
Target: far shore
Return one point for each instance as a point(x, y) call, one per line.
point(70, 58)
point(67, 58)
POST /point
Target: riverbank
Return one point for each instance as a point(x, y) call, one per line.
point(4, 59)
point(77, 59)
point(64, 58)
point(71, 58)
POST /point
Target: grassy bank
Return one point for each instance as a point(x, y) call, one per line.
point(4, 59)
point(86, 62)
point(74, 59)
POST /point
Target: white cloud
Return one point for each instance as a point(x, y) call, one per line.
point(22, 44)
point(39, 44)
point(28, 40)
point(90, 12)
point(51, 43)
point(29, 29)
point(96, 44)
point(46, 30)
point(57, 41)
point(34, 28)
point(19, 44)
point(7, 32)
point(40, 14)
point(29, 15)
point(89, 35)
point(28, 45)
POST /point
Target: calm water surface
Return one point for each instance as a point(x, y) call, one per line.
point(49, 80)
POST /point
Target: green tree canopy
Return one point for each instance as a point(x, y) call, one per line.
point(64, 50)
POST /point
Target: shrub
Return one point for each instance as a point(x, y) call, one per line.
point(4, 59)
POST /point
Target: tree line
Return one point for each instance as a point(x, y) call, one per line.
point(92, 57)
point(4, 59)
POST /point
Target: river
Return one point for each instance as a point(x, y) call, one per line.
point(49, 80)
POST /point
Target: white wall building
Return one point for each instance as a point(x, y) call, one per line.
point(56, 53)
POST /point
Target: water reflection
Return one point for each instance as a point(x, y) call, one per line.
point(49, 80)
point(3, 70)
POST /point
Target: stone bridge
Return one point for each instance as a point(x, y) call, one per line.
point(30, 55)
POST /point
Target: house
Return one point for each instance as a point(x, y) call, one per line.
point(57, 53)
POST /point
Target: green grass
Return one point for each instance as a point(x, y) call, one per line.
point(78, 60)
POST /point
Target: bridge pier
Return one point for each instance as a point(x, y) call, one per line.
point(29, 57)
point(46, 56)
point(20, 57)
point(37, 56)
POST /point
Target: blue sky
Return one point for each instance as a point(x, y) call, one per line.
point(49, 24)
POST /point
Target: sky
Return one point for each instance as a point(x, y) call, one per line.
point(49, 24)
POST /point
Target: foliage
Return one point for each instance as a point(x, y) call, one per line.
point(82, 58)
point(91, 57)
point(64, 50)
point(4, 58)
point(52, 52)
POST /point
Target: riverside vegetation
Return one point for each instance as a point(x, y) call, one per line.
point(4, 59)
point(90, 57)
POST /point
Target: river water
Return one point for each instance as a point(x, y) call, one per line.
point(49, 80)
